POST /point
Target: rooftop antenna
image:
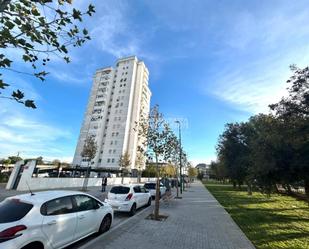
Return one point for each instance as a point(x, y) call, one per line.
point(29, 189)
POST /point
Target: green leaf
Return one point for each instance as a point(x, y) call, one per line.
point(17, 21)
point(64, 49)
point(77, 14)
point(85, 31)
point(67, 59)
point(9, 24)
point(26, 58)
point(22, 41)
point(18, 94)
point(3, 85)
point(5, 62)
point(35, 11)
point(91, 9)
point(30, 103)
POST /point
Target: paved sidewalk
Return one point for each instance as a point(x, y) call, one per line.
point(197, 221)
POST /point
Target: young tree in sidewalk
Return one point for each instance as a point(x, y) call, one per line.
point(158, 133)
point(139, 163)
point(124, 164)
point(89, 151)
point(192, 173)
point(38, 31)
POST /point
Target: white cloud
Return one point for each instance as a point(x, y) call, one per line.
point(259, 46)
point(21, 132)
point(257, 84)
point(69, 77)
point(110, 29)
point(113, 32)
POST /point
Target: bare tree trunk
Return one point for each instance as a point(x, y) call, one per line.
point(157, 198)
point(234, 185)
point(85, 183)
point(249, 188)
point(306, 181)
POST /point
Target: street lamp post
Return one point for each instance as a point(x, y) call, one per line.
point(180, 155)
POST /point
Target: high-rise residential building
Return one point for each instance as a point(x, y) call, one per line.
point(119, 96)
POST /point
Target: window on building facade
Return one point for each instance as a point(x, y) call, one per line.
point(108, 160)
point(113, 160)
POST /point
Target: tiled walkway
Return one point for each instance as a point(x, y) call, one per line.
point(195, 221)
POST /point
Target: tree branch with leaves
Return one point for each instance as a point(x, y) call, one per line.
point(38, 30)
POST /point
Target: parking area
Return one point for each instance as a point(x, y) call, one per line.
point(119, 218)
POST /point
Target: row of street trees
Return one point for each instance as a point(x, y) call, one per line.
point(273, 148)
point(158, 143)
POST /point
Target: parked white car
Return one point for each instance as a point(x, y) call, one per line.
point(128, 198)
point(51, 219)
point(151, 187)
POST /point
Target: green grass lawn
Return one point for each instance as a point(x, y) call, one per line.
point(270, 223)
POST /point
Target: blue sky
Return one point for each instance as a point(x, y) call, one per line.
point(210, 62)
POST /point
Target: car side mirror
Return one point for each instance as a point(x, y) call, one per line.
point(97, 206)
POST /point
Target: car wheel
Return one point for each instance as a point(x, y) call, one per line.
point(105, 224)
point(133, 210)
point(149, 202)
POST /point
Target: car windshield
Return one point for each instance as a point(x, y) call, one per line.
point(120, 190)
point(150, 185)
point(13, 210)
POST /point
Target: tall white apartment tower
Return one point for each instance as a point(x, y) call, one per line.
point(118, 97)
